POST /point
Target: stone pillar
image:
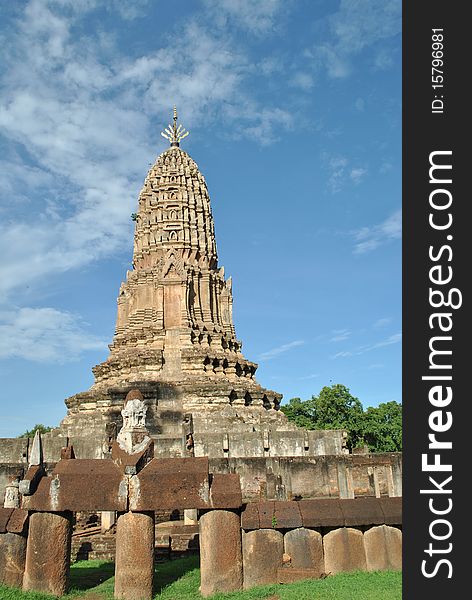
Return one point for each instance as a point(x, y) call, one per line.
point(48, 553)
point(107, 519)
point(383, 548)
point(134, 561)
point(344, 550)
point(190, 516)
point(12, 559)
point(305, 548)
point(263, 551)
point(205, 296)
point(345, 483)
point(215, 300)
point(221, 563)
point(12, 495)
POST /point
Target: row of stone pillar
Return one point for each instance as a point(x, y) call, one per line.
point(41, 561)
point(269, 556)
point(230, 559)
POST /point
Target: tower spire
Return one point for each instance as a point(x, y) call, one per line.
point(174, 133)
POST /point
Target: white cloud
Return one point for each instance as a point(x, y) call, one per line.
point(126, 10)
point(360, 104)
point(336, 65)
point(44, 335)
point(83, 114)
point(266, 130)
point(34, 179)
point(393, 339)
point(343, 354)
point(383, 60)
point(359, 23)
point(389, 341)
point(269, 65)
point(339, 335)
point(337, 168)
point(357, 174)
point(341, 173)
point(370, 238)
point(78, 117)
point(385, 167)
point(302, 80)
point(280, 350)
point(256, 16)
point(356, 25)
point(382, 322)
point(311, 376)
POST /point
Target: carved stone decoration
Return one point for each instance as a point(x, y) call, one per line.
point(12, 495)
point(133, 436)
point(134, 416)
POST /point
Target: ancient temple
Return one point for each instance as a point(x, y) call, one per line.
point(176, 362)
point(175, 339)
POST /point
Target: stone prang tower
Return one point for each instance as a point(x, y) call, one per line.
point(174, 319)
point(175, 339)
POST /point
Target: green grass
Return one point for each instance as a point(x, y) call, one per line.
point(179, 580)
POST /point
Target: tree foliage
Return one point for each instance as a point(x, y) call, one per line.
point(336, 408)
point(383, 427)
point(38, 427)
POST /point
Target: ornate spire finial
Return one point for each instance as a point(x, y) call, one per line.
point(173, 133)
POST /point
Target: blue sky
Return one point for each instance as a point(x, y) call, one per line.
point(294, 112)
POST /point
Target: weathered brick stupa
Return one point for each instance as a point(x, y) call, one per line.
point(175, 339)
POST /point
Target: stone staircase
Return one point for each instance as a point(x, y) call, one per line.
point(172, 539)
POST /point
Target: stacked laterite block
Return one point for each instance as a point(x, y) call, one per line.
point(289, 541)
point(13, 532)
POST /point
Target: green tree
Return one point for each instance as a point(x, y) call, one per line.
point(301, 412)
point(38, 427)
point(383, 427)
point(336, 408)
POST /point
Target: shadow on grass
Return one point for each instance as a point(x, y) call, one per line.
point(88, 575)
point(84, 577)
point(169, 571)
